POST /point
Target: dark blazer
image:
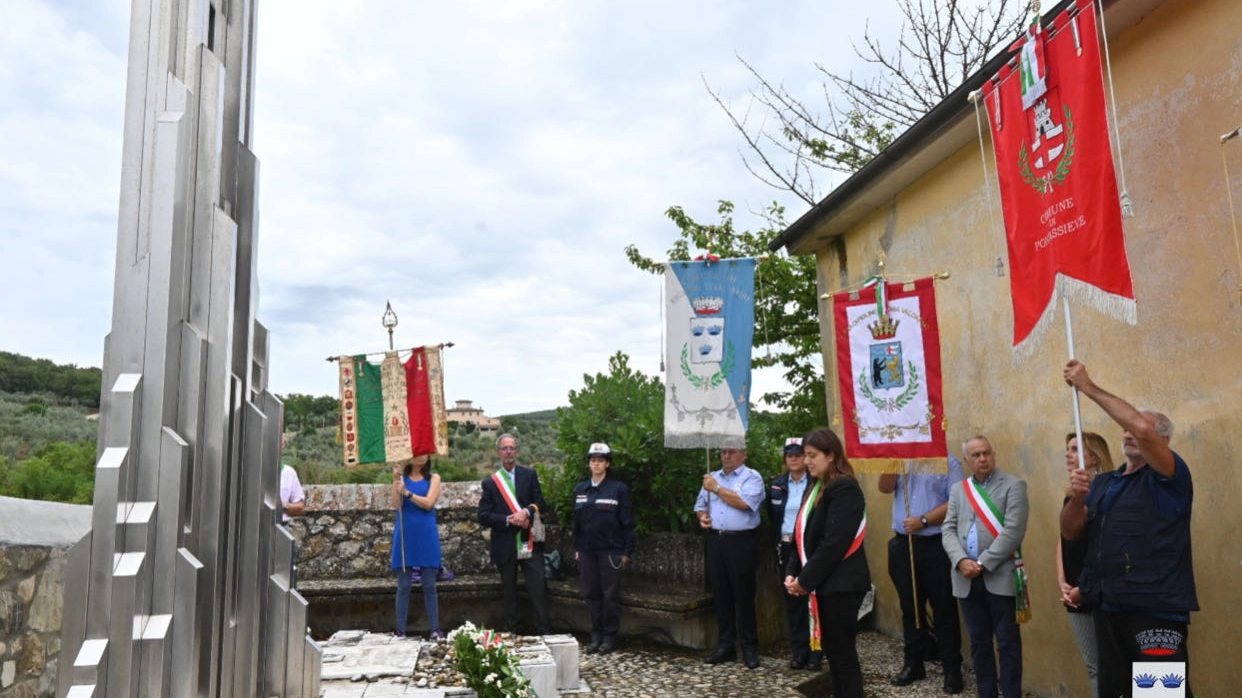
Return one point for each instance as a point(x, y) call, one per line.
point(493, 511)
point(830, 531)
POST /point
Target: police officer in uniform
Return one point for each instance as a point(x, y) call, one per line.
point(784, 499)
point(604, 540)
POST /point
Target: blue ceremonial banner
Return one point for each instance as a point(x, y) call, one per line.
point(710, 315)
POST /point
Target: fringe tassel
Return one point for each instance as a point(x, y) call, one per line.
point(1110, 304)
point(897, 466)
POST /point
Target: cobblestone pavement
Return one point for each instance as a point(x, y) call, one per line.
point(641, 671)
point(649, 670)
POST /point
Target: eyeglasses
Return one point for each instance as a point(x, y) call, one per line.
point(507, 448)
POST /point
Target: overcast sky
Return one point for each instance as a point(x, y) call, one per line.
point(481, 164)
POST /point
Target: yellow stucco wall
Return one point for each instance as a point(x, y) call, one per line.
point(1178, 79)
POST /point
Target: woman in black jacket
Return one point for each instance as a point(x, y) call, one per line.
point(831, 565)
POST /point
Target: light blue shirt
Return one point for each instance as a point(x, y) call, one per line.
point(927, 491)
point(748, 484)
point(793, 497)
point(972, 536)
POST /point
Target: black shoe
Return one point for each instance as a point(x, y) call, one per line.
point(593, 647)
point(721, 655)
point(751, 658)
point(953, 680)
point(908, 675)
point(797, 664)
point(606, 646)
point(815, 664)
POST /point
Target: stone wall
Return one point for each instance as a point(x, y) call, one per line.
point(346, 532)
point(34, 540)
point(345, 572)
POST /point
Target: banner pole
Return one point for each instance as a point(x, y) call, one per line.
point(914, 579)
point(1069, 340)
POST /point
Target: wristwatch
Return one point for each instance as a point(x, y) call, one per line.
point(923, 519)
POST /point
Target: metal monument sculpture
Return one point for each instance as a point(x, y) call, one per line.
point(182, 586)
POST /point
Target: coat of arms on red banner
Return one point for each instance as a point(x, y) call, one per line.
point(1055, 167)
point(888, 366)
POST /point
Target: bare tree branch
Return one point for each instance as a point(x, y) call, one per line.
point(940, 44)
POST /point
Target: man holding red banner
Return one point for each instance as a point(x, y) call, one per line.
point(982, 533)
point(510, 501)
point(1139, 574)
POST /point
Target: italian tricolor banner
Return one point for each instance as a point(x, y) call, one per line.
point(393, 411)
point(1058, 187)
point(888, 369)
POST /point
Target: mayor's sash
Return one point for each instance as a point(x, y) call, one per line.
point(994, 521)
point(803, 515)
point(504, 483)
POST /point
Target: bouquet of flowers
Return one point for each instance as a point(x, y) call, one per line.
point(491, 670)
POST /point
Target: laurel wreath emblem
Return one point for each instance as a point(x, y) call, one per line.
point(714, 380)
point(892, 404)
point(1044, 184)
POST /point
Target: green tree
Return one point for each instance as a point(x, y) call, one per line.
point(786, 301)
point(625, 409)
point(58, 472)
point(67, 384)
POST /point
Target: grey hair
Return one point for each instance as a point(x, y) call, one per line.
point(976, 437)
point(504, 436)
point(1163, 425)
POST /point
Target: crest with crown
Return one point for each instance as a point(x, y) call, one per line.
point(707, 305)
point(884, 328)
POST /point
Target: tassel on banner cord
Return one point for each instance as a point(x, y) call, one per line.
point(1127, 204)
point(1224, 161)
point(975, 98)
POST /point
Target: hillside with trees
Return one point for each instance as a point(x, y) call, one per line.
point(48, 435)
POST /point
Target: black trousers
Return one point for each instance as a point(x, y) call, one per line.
point(796, 608)
point(838, 622)
point(536, 587)
point(934, 590)
point(732, 566)
point(600, 574)
point(1122, 639)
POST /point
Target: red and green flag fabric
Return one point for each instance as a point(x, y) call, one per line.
point(393, 411)
point(1057, 182)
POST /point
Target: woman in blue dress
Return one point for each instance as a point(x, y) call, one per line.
point(416, 539)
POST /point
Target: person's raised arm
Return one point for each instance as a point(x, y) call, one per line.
point(1142, 426)
point(428, 502)
point(398, 487)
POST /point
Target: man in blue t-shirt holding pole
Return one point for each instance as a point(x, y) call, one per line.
point(1139, 576)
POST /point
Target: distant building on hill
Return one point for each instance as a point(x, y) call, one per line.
point(464, 412)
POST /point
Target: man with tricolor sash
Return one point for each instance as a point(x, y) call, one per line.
point(982, 535)
point(510, 502)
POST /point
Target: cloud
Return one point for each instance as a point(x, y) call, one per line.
point(481, 165)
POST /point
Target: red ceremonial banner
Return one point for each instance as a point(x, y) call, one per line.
point(1058, 186)
point(888, 367)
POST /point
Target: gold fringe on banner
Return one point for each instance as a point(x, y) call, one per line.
point(897, 466)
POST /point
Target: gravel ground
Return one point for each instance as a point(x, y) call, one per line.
point(641, 670)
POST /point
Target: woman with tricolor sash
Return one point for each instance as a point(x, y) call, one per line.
point(416, 539)
point(830, 565)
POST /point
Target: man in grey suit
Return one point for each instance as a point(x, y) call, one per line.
point(982, 532)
